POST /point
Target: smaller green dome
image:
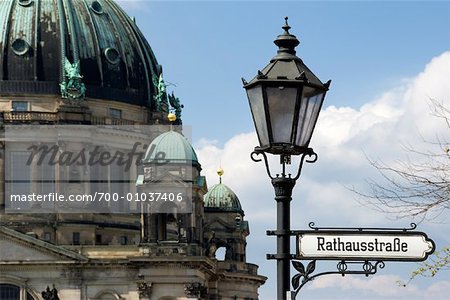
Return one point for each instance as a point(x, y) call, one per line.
point(221, 197)
point(174, 148)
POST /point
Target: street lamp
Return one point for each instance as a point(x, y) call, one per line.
point(285, 99)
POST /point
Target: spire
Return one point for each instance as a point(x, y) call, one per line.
point(220, 172)
point(172, 118)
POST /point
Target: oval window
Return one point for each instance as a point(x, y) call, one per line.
point(112, 55)
point(20, 47)
point(25, 2)
point(97, 7)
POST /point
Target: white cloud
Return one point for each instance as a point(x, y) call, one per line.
point(382, 287)
point(204, 143)
point(438, 290)
point(399, 112)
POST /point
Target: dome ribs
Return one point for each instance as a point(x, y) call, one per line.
point(73, 34)
point(87, 18)
point(132, 58)
point(36, 38)
point(20, 58)
point(47, 36)
point(122, 43)
point(148, 59)
point(5, 14)
point(62, 37)
point(113, 73)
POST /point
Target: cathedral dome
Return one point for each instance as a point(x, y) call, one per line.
point(175, 148)
point(114, 59)
point(221, 197)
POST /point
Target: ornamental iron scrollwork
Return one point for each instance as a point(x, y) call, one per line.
point(366, 268)
point(285, 160)
point(313, 226)
point(195, 290)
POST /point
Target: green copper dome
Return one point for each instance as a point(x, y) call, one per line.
point(221, 197)
point(174, 147)
point(113, 57)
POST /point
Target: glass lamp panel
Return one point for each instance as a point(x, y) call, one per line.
point(309, 112)
point(256, 101)
point(281, 104)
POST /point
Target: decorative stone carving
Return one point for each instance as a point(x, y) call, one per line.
point(195, 290)
point(211, 245)
point(50, 294)
point(144, 288)
point(176, 105)
point(161, 95)
point(72, 87)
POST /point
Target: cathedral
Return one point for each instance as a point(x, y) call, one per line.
point(84, 111)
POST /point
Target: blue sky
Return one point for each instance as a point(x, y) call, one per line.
point(205, 48)
point(385, 60)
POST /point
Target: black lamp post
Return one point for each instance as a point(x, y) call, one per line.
point(285, 100)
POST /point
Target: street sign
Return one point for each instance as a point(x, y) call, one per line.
point(360, 245)
point(367, 248)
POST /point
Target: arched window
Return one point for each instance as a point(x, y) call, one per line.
point(9, 292)
point(168, 222)
point(14, 292)
point(220, 253)
point(168, 227)
point(107, 295)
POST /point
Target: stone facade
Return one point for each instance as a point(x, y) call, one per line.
point(104, 256)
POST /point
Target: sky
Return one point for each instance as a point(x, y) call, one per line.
point(386, 60)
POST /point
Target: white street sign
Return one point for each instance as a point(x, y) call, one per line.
point(398, 246)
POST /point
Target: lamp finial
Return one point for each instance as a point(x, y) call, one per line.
point(286, 26)
point(286, 43)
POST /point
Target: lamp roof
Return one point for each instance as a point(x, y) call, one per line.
point(286, 66)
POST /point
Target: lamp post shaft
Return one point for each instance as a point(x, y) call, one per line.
point(283, 195)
